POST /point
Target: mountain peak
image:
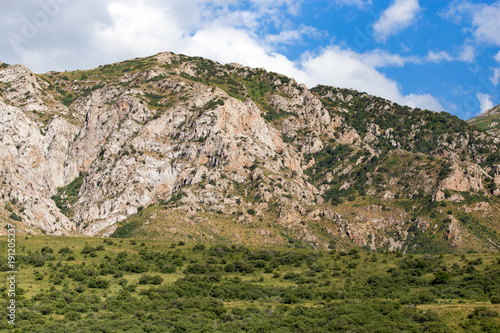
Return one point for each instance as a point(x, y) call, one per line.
point(178, 147)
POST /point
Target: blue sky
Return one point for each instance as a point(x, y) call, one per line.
point(440, 55)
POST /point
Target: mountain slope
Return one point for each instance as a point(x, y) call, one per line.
point(175, 147)
point(488, 121)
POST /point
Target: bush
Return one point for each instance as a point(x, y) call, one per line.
point(46, 249)
point(87, 249)
point(73, 316)
point(482, 311)
point(65, 250)
point(441, 277)
point(148, 279)
point(156, 280)
point(495, 299)
point(15, 217)
point(199, 248)
point(98, 283)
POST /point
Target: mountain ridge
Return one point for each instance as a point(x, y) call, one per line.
point(171, 146)
point(488, 121)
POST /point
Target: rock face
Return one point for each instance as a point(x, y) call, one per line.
point(192, 148)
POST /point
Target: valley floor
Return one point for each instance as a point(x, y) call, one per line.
point(72, 284)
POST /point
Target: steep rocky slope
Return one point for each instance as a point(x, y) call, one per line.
point(175, 147)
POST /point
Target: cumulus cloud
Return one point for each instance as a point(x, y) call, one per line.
point(484, 101)
point(399, 16)
point(220, 30)
point(346, 68)
point(439, 56)
point(467, 54)
point(484, 19)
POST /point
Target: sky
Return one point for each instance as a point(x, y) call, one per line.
point(433, 54)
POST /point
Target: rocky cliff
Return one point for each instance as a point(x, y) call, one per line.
point(175, 147)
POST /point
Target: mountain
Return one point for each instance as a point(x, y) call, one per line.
point(488, 121)
point(184, 148)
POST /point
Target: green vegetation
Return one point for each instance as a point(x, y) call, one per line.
point(487, 121)
point(415, 130)
point(68, 195)
point(126, 230)
point(86, 284)
point(240, 83)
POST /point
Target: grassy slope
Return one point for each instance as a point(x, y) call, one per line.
point(321, 279)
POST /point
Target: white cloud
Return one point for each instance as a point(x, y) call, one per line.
point(139, 28)
point(484, 101)
point(235, 45)
point(497, 56)
point(485, 19)
point(487, 22)
point(380, 58)
point(292, 36)
point(399, 16)
point(495, 78)
point(439, 56)
point(357, 3)
point(467, 54)
point(346, 68)
point(425, 101)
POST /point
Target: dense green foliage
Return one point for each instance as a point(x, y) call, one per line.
point(126, 230)
point(107, 286)
point(414, 130)
point(68, 195)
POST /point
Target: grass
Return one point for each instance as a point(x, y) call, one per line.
point(286, 279)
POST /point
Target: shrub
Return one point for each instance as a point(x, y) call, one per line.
point(482, 311)
point(73, 316)
point(199, 248)
point(87, 249)
point(441, 277)
point(98, 283)
point(15, 217)
point(148, 279)
point(65, 250)
point(46, 249)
